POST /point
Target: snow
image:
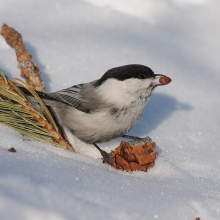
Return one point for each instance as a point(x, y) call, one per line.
point(77, 41)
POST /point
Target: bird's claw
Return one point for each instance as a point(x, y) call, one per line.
point(136, 140)
point(109, 158)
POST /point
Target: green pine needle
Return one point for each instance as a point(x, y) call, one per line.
point(18, 112)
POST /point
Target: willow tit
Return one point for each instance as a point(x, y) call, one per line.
point(106, 108)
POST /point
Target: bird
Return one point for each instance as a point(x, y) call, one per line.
point(106, 108)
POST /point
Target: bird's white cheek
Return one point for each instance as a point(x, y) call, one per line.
point(135, 85)
point(147, 82)
point(122, 93)
point(115, 92)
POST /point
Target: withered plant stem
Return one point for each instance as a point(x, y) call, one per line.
point(29, 69)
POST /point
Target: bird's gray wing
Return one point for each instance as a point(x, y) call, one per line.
point(70, 96)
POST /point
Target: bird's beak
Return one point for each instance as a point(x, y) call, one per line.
point(160, 80)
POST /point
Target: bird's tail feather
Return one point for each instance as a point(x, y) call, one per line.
point(26, 92)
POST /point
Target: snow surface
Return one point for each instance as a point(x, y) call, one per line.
point(77, 41)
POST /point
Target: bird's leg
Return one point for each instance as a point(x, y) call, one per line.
point(106, 156)
point(136, 140)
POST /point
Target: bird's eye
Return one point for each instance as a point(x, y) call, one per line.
point(141, 76)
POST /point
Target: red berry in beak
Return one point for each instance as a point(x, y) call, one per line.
point(164, 80)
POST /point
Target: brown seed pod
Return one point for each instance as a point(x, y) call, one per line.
point(131, 157)
point(12, 149)
point(164, 80)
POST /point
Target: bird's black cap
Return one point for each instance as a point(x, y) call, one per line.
point(126, 72)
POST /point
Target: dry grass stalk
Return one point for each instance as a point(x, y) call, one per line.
point(18, 112)
point(29, 69)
